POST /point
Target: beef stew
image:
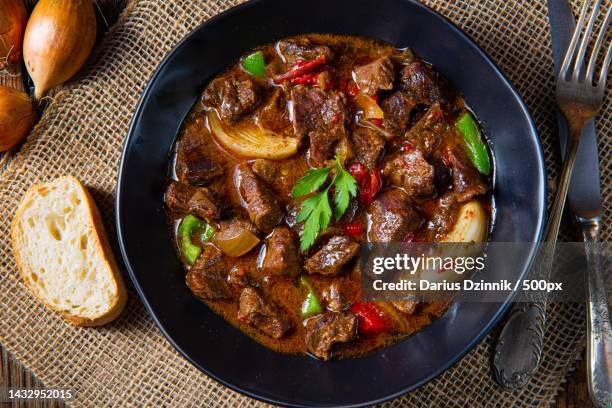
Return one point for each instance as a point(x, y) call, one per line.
point(294, 156)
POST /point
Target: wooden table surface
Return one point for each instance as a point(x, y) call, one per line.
point(573, 395)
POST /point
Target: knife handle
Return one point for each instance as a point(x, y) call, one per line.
point(599, 330)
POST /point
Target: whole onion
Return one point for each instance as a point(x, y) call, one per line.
point(58, 39)
point(13, 17)
point(17, 116)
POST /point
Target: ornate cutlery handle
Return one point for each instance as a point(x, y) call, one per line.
point(599, 334)
point(519, 348)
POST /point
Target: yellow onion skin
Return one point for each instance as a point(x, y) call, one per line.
point(58, 39)
point(17, 117)
point(13, 18)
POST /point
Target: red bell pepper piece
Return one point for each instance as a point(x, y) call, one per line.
point(306, 79)
point(407, 147)
point(371, 318)
point(369, 190)
point(353, 229)
point(300, 68)
point(377, 122)
point(358, 171)
point(352, 89)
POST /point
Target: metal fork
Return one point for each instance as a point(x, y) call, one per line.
point(519, 348)
point(579, 99)
point(580, 96)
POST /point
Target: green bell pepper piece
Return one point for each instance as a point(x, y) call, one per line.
point(472, 142)
point(255, 64)
point(311, 305)
point(189, 225)
point(207, 234)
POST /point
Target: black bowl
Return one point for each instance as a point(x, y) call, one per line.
point(222, 351)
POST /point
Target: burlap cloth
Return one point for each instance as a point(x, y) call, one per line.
point(129, 362)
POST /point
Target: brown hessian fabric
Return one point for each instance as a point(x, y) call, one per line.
point(128, 362)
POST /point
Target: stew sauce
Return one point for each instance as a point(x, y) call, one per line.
point(313, 102)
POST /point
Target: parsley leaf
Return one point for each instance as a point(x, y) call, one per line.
point(346, 187)
point(315, 211)
point(317, 214)
point(311, 182)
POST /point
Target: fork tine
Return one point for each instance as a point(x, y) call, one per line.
point(604, 69)
point(571, 49)
point(579, 63)
point(597, 47)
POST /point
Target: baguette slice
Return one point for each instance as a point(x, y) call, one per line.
point(63, 254)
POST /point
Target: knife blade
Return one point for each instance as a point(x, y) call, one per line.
point(584, 196)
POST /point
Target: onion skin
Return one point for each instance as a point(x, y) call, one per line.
point(17, 117)
point(13, 18)
point(58, 39)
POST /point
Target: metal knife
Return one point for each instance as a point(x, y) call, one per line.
point(584, 199)
point(516, 361)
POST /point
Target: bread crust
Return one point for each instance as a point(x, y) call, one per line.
point(101, 244)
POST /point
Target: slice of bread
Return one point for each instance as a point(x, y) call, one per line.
point(63, 253)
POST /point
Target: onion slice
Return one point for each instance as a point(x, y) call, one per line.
point(471, 225)
point(370, 108)
point(252, 141)
point(235, 240)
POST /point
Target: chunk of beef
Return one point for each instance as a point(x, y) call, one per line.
point(207, 278)
point(262, 206)
point(282, 175)
point(238, 277)
point(343, 150)
point(256, 310)
point(338, 295)
point(467, 181)
point(334, 254)
point(443, 178)
point(185, 198)
point(405, 306)
point(352, 213)
point(368, 146)
point(327, 329)
point(392, 217)
point(425, 86)
point(281, 256)
point(231, 97)
point(317, 109)
point(197, 161)
point(427, 133)
point(274, 114)
point(376, 76)
point(397, 107)
point(410, 171)
point(265, 169)
point(441, 213)
point(321, 147)
point(321, 115)
point(294, 50)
